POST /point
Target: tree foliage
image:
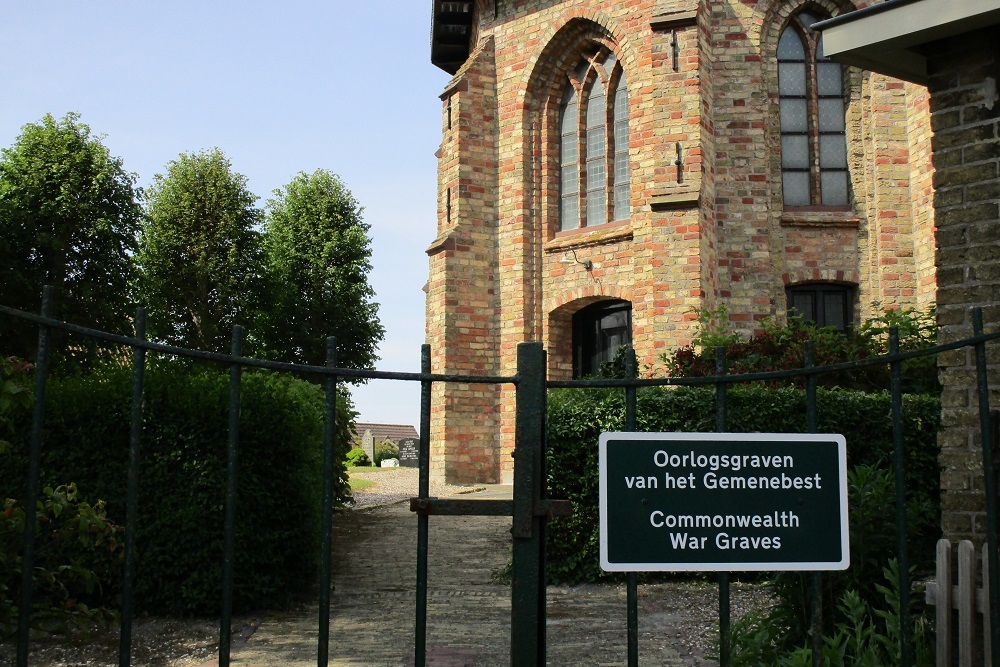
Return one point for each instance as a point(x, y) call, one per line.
point(319, 257)
point(200, 252)
point(69, 215)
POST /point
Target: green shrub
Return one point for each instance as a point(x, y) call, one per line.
point(866, 634)
point(576, 418)
point(15, 397)
point(385, 450)
point(782, 347)
point(357, 458)
point(183, 456)
point(77, 557)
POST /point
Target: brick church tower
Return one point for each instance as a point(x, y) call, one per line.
point(607, 167)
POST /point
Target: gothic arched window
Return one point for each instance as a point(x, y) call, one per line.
point(813, 130)
point(593, 159)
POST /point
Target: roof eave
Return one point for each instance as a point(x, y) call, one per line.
point(451, 34)
point(888, 38)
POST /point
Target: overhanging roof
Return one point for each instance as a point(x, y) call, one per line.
point(451, 31)
point(886, 37)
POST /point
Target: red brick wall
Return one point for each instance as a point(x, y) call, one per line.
point(712, 233)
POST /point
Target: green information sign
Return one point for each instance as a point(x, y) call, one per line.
point(723, 501)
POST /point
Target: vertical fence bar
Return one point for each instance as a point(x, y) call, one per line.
point(526, 616)
point(721, 424)
point(989, 481)
point(31, 487)
point(541, 524)
point(229, 547)
point(631, 579)
point(423, 456)
point(817, 578)
point(132, 499)
point(899, 466)
point(326, 565)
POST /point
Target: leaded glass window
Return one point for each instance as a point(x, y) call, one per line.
point(813, 131)
point(593, 145)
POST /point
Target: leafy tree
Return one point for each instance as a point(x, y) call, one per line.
point(318, 253)
point(69, 215)
point(200, 252)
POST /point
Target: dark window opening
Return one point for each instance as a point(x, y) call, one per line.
point(824, 305)
point(598, 331)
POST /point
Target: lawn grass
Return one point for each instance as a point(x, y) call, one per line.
point(358, 484)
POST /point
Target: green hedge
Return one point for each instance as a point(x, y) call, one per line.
point(182, 478)
point(576, 418)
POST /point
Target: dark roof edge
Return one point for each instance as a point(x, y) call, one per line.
point(861, 13)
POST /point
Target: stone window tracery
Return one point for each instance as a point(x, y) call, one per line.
point(593, 144)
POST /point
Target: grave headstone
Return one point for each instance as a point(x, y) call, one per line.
point(368, 444)
point(409, 452)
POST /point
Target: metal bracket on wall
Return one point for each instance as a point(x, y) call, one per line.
point(679, 163)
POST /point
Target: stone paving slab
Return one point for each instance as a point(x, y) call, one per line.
point(372, 606)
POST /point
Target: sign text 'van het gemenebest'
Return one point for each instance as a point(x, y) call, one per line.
point(723, 501)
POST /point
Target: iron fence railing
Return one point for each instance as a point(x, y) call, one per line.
point(810, 372)
point(529, 508)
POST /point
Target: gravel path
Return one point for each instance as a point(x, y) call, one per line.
point(469, 612)
point(393, 485)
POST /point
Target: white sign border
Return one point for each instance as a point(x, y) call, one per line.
point(754, 566)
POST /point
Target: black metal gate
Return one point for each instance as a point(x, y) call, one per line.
point(530, 508)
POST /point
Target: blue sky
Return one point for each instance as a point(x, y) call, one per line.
point(280, 87)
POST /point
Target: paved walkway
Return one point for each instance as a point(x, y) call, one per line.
point(468, 613)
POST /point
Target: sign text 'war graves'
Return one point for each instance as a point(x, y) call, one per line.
point(723, 501)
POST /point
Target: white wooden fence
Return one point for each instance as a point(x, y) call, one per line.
point(961, 595)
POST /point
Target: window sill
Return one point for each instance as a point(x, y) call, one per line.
point(817, 217)
point(575, 238)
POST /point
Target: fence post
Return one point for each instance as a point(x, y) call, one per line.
point(721, 424)
point(527, 616)
point(899, 460)
point(329, 450)
point(31, 499)
point(229, 545)
point(423, 491)
point(132, 502)
point(631, 579)
point(817, 577)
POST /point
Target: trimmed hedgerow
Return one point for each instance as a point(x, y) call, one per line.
point(576, 418)
point(179, 535)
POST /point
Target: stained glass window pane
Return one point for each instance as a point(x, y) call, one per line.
point(595, 104)
point(794, 151)
point(834, 305)
point(829, 78)
point(790, 47)
point(832, 151)
point(796, 188)
point(570, 213)
point(802, 304)
point(597, 177)
point(831, 115)
point(569, 148)
point(622, 187)
point(793, 116)
point(596, 143)
point(570, 179)
point(792, 79)
point(597, 207)
point(834, 186)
